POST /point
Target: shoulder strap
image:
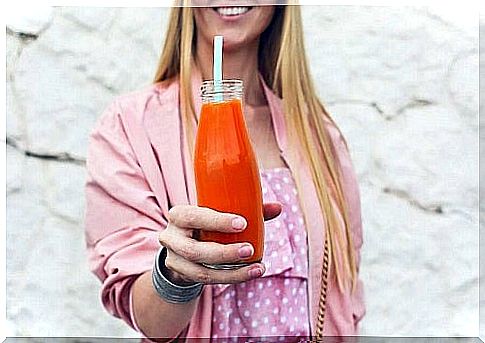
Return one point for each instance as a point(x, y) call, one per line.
point(323, 294)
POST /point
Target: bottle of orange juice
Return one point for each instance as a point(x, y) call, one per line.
point(226, 171)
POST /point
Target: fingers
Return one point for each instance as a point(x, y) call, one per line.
point(205, 252)
point(271, 210)
point(198, 273)
point(186, 216)
point(186, 255)
point(194, 217)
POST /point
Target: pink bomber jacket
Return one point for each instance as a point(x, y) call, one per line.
point(139, 166)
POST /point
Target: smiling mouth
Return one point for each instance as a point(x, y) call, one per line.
point(232, 11)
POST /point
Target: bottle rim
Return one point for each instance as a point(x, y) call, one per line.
point(223, 82)
point(226, 89)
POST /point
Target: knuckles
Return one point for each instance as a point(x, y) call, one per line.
point(162, 237)
point(191, 218)
point(173, 213)
point(184, 215)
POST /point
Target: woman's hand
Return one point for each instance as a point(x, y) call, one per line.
point(185, 254)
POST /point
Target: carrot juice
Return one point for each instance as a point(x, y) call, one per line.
point(226, 172)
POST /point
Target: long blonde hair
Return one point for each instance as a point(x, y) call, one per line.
point(284, 68)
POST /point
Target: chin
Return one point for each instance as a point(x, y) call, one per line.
point(239, 25)
point(236, 42)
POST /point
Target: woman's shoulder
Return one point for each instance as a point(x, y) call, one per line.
point(142, 100)
point(142, 105)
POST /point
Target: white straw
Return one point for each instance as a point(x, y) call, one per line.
point(217, 67)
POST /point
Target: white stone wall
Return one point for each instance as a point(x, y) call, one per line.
point(401, 82)
point(482, 177)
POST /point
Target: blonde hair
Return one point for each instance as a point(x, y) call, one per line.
point(284, 68)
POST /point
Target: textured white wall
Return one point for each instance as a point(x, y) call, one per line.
point(482, 177)
point(401, 82)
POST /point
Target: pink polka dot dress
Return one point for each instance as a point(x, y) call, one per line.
point(277, 303)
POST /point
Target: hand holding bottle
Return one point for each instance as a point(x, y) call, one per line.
point(187, 254)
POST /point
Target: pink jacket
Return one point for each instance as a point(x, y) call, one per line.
point(139, 166)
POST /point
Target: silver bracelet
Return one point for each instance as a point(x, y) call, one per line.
point(167, 290)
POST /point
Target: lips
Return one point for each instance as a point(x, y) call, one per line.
point(232, 11)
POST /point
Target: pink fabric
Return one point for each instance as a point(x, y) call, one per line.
point(138, 166)
point(277, 303)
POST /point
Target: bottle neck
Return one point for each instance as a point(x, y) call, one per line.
point(225, 90)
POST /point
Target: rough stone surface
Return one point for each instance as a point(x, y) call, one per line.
point(482, 176)
point(50, 289)
point(401, 83)
point(70, 80)
point(29, 20)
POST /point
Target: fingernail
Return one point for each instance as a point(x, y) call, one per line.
point(245, 251)
point(256, 272)
point(238, 223)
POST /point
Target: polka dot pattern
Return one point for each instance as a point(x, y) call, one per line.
point(277, 303)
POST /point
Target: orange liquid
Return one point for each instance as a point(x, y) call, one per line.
point(227, 175)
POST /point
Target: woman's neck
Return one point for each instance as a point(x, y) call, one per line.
point(239, 64)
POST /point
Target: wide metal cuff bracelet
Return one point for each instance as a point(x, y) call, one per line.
point(166, 289)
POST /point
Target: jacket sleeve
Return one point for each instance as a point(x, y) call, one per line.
point(352, 197)
point(122, 218)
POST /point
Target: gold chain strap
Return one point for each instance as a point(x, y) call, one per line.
point(323, 294)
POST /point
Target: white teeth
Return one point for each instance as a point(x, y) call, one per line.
point(229, 11)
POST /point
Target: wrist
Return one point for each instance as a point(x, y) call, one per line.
point(168, 289)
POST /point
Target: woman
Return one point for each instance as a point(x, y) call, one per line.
point(141, 194)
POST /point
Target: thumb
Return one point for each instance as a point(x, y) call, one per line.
point(271, 210)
